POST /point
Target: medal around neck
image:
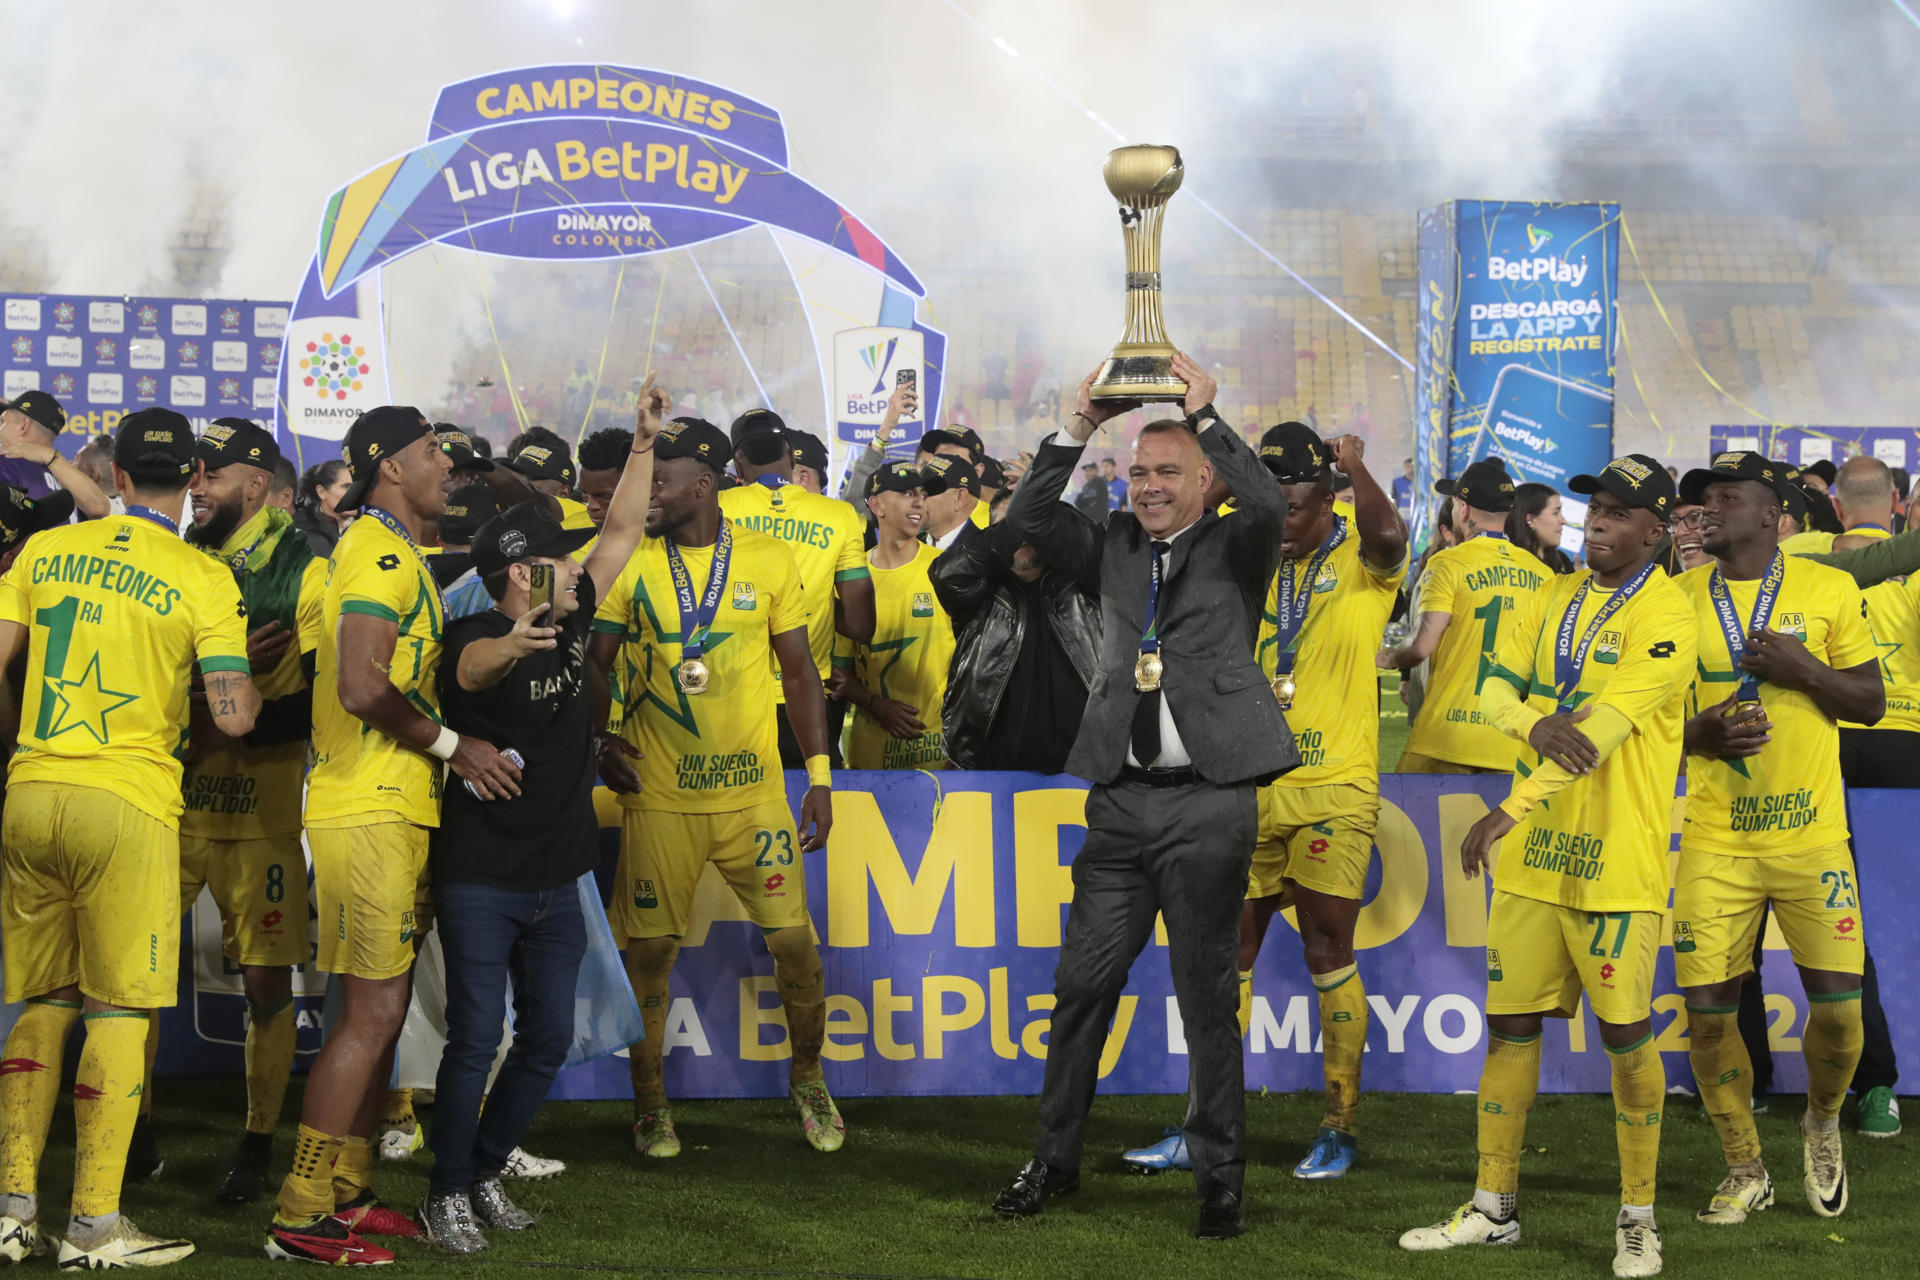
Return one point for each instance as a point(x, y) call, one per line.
point(693, 677)
point(1147, 671)
point(1283, 690)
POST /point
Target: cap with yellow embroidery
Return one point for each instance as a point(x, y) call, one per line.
point(694, 438)
point(895, 477)
point(543, 461)
point(375, 435)
point(460, 448)
point(22, 516)
point(230, 440)
point(1635, 479)
point(155, 445)
point(1738, 464)
point(1484, 485)
point(944, 471)
point(1295, 453)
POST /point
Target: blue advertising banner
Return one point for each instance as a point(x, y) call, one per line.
point(939, 907)
point(1526, 370)
point(103, 358)
point(1802, 446)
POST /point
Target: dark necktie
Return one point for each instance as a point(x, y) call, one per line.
point(1146, 712)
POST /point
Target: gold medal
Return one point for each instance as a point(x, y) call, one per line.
point(693, 676)
point(1147, 672)
point(1283, 690)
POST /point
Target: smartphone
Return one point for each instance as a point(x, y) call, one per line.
point(540, 591)
point(907, 378)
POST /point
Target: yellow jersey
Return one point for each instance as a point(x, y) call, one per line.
point(1893, 616)
point(574, 515)
point(907, 661)
point(1481, 585)
point(359, 774)
point(1787, 799)
point(1336, 707)
point(717, 751)
point(827, 538)
point(250, 793)
point(116, 612)
point(1811, 543)
point(1598, 841)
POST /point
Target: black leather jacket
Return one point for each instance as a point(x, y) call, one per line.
point(976, 587)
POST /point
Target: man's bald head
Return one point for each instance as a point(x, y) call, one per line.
point(1863, 491)
point(1168, 480)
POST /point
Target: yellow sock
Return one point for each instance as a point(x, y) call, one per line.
point(106, 1102)
point(270, 1043)
point(1639, 1093)
point(353, 1170)
point(1245, 1012)
point(649, 965)
point(150, 1051)
point(307, 1193)
point(1508, 1083)
point(1724, 1073)
point(397, 1111)
point(1343, 1037)
point(803, 996)
point(1831, 1044)
point(29, 1087)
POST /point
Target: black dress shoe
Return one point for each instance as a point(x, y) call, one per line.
point(1032, 1187)
point(1223, 1215)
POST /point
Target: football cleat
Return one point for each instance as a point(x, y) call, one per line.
point(371, 1218)
point(1168, 1153)
point(19, 1239)
point(653, 1135)
point(1467, 1226)
point(524, 1166)
point(1879, 1113)
point(1332, 1154)
point(247, 1177)
point(1826, 1176)
point(325, 1240)
point(399, 1144)
point(819, 1119)
point(123, 1245)
point(1738, 1196)
point(1636, 1250)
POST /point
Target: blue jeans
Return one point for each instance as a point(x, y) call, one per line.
point(489, 935)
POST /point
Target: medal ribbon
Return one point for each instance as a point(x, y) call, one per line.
point(1150, 633)
point(1569, 659)
point(1492, 533)
point(1730, 628)
point(148, 513)
point(393, 524)
point(697, 620)
point(1290, 612)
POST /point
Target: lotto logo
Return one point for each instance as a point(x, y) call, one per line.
point(1317, 846)
point(773, 883)
point(270, 922)
point(1662, 650)
point(388, 562)
point(1606, 973)
point(1846, 926)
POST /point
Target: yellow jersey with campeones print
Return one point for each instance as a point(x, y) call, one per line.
point(1482, 585)
point(827, 538)
point(907, 661)
point(717, 751)
point(359, 774)
point(1336, 706)
point(116, 612)
point(1787, 799)
point(1893, 616)
point(1600, 841)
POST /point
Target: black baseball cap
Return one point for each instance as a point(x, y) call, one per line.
point(1635, 478)
point(543, 460)
point(1739, 464)
point(1484, 485)
point(1295, 453)
point(943, 472)
point(755, 422)
point(230, 440)
point(523, 530)
point(460, 449)
point(41, 407)
point(154, 434)
point(808, 450)
point(896, 477)
point(377, 434)
point(992, 474)
point(468, 507)
point(1823, 468)
point(966, 437)
point(694, 438)
point(22, 516)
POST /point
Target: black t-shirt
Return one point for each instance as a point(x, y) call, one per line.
point(547, 835)
point(1039, 714)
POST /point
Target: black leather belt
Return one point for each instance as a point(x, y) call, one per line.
point(1184, 776)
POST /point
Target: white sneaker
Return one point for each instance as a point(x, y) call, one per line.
point(1636, 1249)
point(1467, 1226)
point(1826, 1177)
point(19, 1238)
point(124, 1245)
point(522, 1166)
point(1738, 1196)
point(399, 1144)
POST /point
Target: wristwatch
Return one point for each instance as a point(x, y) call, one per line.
point(1199, 417)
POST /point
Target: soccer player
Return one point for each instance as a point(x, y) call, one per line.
point(1591, 677)
point(372, 796)
point(112, 616)
point(603, 455)
point(827, 539)
point(1477, 585)
point(809, 460)
point(689, 634)
point(1785, 653)
point(897, 683)
point(240, 833)
point(543, 458)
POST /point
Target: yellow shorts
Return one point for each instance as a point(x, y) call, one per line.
point(260, 887)
point(89, 894)
point(370, 881)
point(1717, 901)
point(1541, 956)
point(1414, 762)
point(1321, 837)
point(663, 855)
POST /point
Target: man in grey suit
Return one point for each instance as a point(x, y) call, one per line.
point(1180, 728)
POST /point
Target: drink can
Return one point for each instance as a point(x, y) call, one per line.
point(519, 762)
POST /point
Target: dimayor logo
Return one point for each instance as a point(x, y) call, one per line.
point(877, 357)
point(269, 355)
point(229, 389)
point(230, 316)
point(63, 384)
point(1536, 237)
point(63, 313)
point(333, 366)
point(189, 353)
point(106, 349)
point(147, 316)
point(145, 387)
point(23, 347)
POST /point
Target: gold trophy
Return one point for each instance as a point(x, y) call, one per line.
point(1142, 179)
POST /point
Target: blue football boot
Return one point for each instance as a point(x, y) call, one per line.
point(1332, 1155)
point(1168, 1153)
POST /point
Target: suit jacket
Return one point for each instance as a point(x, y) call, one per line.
point(1212, 591)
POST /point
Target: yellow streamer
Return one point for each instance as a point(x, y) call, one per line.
point(606, 338)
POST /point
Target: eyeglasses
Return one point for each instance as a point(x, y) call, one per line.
point(1691, 520)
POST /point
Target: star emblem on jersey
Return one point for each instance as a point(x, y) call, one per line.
point(85, 703)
